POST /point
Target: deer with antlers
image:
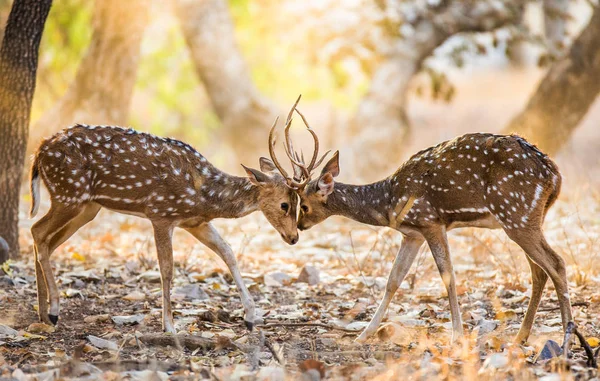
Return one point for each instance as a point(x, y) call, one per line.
point(164, 180)
point(475, 180)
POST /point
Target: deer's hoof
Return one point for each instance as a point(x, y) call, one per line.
point(53, 318)
point(249, 325)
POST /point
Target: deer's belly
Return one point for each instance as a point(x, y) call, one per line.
point(474, 220)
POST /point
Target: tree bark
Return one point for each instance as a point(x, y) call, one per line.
point(565, 94)
point(102, 89)
point(18, 66)
point(381, 115)
point(245, 114)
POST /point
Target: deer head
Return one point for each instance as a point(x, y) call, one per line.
point(313, 198)
point(277, 201)
point(313, 194)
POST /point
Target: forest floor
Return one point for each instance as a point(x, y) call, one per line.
point(107, 274)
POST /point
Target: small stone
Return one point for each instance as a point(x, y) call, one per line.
point(102, 343)
point(310, 275)
point(4, 250)
point(495, 361)
point(128, 320)
point(7, 331)
point(551, 349)
point(485, 327)
point(6, 281)
point(189, 292)
point(277, 279)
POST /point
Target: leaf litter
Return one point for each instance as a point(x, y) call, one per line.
point(314, 299)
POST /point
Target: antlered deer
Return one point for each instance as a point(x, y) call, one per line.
point(475, 180)
point(164, 180)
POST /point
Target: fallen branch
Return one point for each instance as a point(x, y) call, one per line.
point(322, 325)
point(572, 329)
point(270, 347)
point(358, 354)
point(556, 308)
point(185, 341)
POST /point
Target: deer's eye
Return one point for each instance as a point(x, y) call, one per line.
point(285, 206)
point(304, 208)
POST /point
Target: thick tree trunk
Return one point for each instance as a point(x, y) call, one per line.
point(103, 86)
point(380, 123)
point(18, 66)
point(565, 94)
point(245, 114)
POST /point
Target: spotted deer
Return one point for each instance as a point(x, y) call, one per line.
point(475, 180)
point(164, 180)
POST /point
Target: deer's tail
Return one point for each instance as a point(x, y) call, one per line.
point(34, 186)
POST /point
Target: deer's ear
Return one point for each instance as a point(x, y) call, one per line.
point(325, 184)
point(256, 177)
point(332, 166)
point(266, 165)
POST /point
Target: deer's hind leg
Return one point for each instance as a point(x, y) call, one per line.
point(539, 251)
point(538, 281)
point(43, 232)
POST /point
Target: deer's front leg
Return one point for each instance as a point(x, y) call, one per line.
point(209, 236)
point(404, 259)
point(438, 243)
point(163, 236)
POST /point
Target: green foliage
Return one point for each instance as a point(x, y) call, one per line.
point(167, 87)
point(282, 66)
point(67, 34)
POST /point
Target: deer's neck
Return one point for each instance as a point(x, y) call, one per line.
point(229, 196)
point(368, 204)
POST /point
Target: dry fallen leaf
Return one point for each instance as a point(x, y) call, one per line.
point(40, 328)
point(135, 296)
point(593, 341)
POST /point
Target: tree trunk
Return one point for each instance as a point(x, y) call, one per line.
point(245, 114)
point(102, 89)
point(18, 66)
point(565, 94)
point(380, 123)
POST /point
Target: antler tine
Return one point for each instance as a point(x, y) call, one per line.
point(298, 166)
point(321, 159)
point(311, 165)
point(272, 150)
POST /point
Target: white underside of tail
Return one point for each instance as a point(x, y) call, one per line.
point(35, 196)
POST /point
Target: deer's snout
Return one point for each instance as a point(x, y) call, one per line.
point(291, 239)
point(302, 226)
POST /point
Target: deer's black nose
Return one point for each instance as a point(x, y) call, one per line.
point(294, 240)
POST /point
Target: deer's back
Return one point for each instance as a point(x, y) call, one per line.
point(467, 180)
point(121, 168)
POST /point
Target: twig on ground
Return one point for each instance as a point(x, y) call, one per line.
point(556, 308)
point(270, 347)
point(185, 341)
point(322, 325)
point(572, 329)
